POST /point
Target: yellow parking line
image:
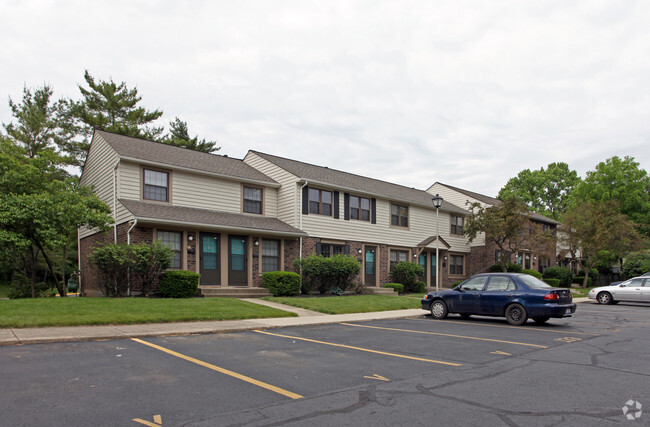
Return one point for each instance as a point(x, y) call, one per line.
point(222, 370)
point(516, 327)
point(446, 335)
point(360, 349)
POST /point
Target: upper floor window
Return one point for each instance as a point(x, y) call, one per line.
point(320, 202)
point(399, 215)
point(457, 223)
point(156, 185)
point(359, 208)
point(173, 239)
point(253, 200)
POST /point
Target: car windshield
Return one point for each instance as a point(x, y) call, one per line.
point(534, 282)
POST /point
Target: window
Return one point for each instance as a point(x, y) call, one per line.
point(253, 200)
point(173, 240)
point(474, 284)
point(500, 283)
point(399, 215)
point(456, 267)
point(329, 249)
point(320, 202)
point(397, 256)
point(359, 208)
point(270, 255)
point(156, 185)
point(457, 223)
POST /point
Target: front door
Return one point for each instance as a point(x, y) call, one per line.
point(237, 261)
point(209, 259)
point(370, 270)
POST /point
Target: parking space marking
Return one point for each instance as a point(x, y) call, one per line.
point(500, 353)
point(515, 327)
point(403, 356)
point(376, 377)
point(222, 370)
point(447, 335)
point(157, 421)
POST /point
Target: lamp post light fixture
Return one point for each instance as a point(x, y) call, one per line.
point(437, 202)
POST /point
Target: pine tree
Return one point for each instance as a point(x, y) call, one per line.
point(180, 137)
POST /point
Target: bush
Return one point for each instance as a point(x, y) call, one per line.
point(407, 273)
point(511, 267)
point(420, 287)
point(282, 283)
point(579, 280)
point(562, 273)
point(148, 262)
point(112, 262)
point(21, 287)
point(179, 284)
point(636, 264)
point(327, 273)
point(593, 274)
point(553, 282)
point(533, 273)
point(399, 288)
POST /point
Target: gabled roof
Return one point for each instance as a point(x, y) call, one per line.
point(350, 182)
point(494, 201)
point(161, 213)
point(138, 149)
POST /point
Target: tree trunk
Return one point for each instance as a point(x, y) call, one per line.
point(62, 290)
point(585, 281)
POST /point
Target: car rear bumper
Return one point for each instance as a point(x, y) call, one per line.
point(552, 310)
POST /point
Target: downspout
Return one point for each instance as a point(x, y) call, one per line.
point(128, 242)
point(300, 216)
point(115, 202)
point(79, 262)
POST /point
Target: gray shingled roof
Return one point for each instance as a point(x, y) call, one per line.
point(163, 154)
point(494, 201)
point(184, 215)
point(345, 180)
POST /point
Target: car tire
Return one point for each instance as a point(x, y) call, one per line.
point(439, 309)
point(541, 320)
point(604, 298)
point(516, 314)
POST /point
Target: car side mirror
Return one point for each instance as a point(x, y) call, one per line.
point(459, 289)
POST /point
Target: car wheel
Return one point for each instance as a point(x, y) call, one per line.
point(516, 314)
point(465, 315)
point(541, 320)
point(439, 309)
point(604, 298)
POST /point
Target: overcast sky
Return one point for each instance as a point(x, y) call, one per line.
point(467, 93)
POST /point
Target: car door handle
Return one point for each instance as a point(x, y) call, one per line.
point(509, 296)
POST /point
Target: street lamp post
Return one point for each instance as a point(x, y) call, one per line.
point(437, 202)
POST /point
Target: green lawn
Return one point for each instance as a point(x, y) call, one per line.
point(581, 292)
point(27, 313)
point(350, 304)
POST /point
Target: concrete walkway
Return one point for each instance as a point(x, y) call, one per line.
point(89, 333)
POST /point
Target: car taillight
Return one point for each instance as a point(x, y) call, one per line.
point(552, 296)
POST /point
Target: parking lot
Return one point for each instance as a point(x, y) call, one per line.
point(482, 371)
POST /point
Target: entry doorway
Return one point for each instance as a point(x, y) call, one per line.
point(370, 264)
point(237, 260)
point(209, 259)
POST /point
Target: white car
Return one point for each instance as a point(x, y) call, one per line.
point(636, 289)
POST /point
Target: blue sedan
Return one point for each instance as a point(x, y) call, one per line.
point(517, 297)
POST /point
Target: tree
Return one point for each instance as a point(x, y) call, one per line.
point(623, 182)
point(595, 233)
point(180, 137)
point(545, 191)
point(636, 264)
point(112, 107)
point(507, 225)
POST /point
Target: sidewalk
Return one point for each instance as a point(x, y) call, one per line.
point(89, 333)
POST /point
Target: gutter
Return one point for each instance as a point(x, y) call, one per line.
point(208, 226)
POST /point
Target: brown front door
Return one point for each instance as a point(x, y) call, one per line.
point(237, 261)
point(370, 266)
point(209, 259)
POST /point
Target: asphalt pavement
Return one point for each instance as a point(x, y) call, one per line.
point(15, 336)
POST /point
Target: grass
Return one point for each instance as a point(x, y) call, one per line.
point(4, 290)
point(581, 292)
point(28, 313)
point(350, 304)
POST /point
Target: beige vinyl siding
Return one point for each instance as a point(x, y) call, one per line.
point(129, 187)
point(206, 192)
point(458, 199)
point(288, 196)
point(98, 173)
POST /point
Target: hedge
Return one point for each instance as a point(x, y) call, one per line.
point(533, 273)
point(579, 280)
point(399, 288)
point(179, 284)
point(282, 283)
point(562, 273)
point(553, 282)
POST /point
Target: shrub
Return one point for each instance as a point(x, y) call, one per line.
point(21, 287)
point(453, 285)
point(420, 287)
point(327, 273)
point(112, 263)
point(399, 288)
point(562, 273)
point(533, 273)
point(282, 283)
point(579, 280)
point(179, 284)
point(593, 274)
point(149, 261)
point(511, 267)
point(407, 274)
point(553, 282)
point(636, 264)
